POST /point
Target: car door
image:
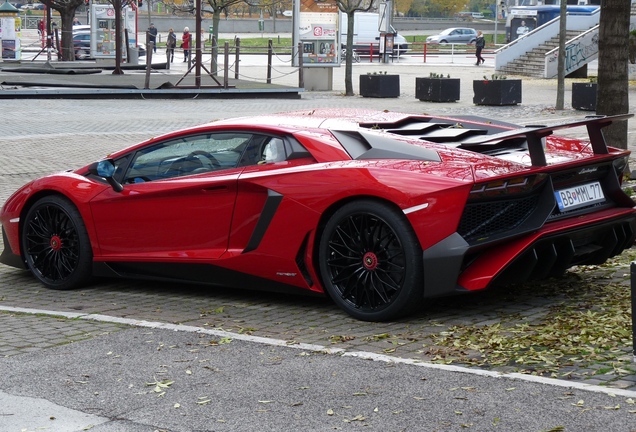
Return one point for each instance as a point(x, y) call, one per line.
point(464, 36)
point(177, 201)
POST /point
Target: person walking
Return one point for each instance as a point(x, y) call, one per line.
point(185, 43)
point(171, 43)
point(480, 43)
point(152, 36)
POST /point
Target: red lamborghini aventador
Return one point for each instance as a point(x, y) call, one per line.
point(377, 210)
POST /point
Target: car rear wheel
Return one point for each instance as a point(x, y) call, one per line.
point(371, 262)
point(56, 245)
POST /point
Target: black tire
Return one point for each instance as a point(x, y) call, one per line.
point(371, 262)
point(55, 244)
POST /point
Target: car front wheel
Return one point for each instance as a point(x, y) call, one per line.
point(371, 262)
point(55, 244)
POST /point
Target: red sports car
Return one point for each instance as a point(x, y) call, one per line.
point(378, 210)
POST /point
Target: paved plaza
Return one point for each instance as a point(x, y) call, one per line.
point(243, 359)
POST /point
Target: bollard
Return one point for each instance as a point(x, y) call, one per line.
point(269, 61)
point(237, 63)
point(301, 77)
point(226, 71)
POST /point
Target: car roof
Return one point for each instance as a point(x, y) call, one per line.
point(450, 29)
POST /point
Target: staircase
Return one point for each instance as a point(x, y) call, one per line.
point(532, 63)
point(536, 53)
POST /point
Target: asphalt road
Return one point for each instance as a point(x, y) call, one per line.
point(152, 380)
point(247, 361)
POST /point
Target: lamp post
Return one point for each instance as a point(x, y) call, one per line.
point(498, 7)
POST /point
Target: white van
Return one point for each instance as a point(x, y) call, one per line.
point(366, 33)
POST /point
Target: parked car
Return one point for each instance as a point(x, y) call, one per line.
point(82, 44)
point(378, 210)
point(456, 35)
point(463, 16)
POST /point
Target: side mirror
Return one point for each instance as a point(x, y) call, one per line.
point(106, 169)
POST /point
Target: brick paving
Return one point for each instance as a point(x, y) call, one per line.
point(44, 136)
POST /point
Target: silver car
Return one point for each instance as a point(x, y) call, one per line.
point(456, 35)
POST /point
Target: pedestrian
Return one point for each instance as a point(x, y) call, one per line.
point(185, 43)
point(76, 21)
point(152, 36)
point(41, 27)
point(480, 43)
point(171, 43)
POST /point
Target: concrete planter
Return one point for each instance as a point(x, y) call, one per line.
point(380, 86)
point(497, 92)
point(437, 89)
point(584, 96)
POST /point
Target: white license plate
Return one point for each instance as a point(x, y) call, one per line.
point(579, 196)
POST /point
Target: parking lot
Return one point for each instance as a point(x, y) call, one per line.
point(43, 136)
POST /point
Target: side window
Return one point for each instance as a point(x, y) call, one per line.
point(188, 155)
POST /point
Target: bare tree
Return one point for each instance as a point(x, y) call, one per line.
point(66, 9)
point(349, 8)
point(119, 6)
point(613, 78)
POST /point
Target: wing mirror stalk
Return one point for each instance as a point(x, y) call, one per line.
point(106, 169)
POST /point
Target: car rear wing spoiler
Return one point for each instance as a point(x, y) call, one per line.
point(535, 134)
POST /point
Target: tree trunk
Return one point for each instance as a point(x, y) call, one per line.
point(349, 56)
point(117, 5)
point(216, 18)
point(560, 101)
point(66, 17)
point(613, 47)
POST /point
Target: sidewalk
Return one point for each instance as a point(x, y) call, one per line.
point(252, 72)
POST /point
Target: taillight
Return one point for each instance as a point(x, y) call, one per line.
point(501, 187)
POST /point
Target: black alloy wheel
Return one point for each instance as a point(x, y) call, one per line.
point(371, 262)
point(55, 244)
